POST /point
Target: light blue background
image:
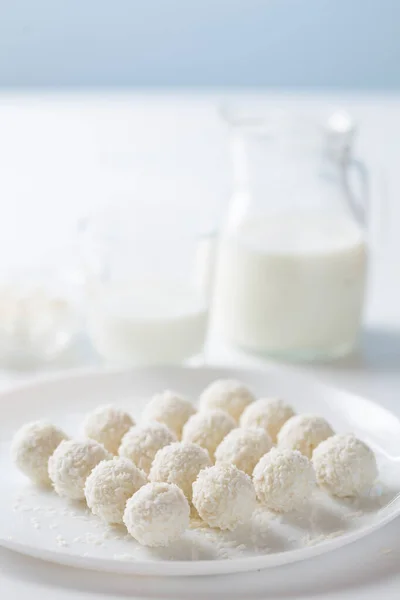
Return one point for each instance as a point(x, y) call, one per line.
point(353, 44)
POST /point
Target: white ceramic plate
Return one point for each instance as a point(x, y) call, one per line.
point(40, 524)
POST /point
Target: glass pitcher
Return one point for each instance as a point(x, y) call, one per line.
point(291, 270)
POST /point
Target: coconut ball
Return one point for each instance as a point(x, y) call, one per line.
point(228, 395)
point(157, 514)
point(180, 463)
point(304, 433)
point(224, 496)
point(107, 425)
point(243, 448)
point(110, 485)
point(208, 429)
point(31, 448)
point(142, 443)
point(283, 479)
point(344, 465)
point(171, 409)
point(71, 464)
point(268, 413)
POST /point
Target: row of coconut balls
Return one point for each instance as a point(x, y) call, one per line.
point(165, 464)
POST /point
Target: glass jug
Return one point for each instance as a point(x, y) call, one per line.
point(291, 269)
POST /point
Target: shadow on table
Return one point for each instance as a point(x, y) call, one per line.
point(379, 350)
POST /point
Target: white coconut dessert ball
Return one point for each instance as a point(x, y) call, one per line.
point(304, 433)
point(171, 409)
point(157, 514)
point(268, 413)
point(180, 463)
point(31, 448)
point(243, 448)
point(344, 465)
point(228, 395)
point(71, 464)
point(208, 429)
point(224, 496)
point(283, 480)
point(142, 442)
point(109, 487)
point(107, 425)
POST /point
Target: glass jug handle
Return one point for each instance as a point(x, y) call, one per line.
point(358, 202)
point(367, 212)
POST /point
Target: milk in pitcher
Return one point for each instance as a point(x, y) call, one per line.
point(292, 285)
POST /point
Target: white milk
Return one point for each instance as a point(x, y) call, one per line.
point(147, 322)
point(292, 285)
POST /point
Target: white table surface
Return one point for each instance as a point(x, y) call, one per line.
point(64, 155)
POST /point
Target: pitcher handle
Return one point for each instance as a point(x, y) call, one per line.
point(369, 210)
point(359, 203)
